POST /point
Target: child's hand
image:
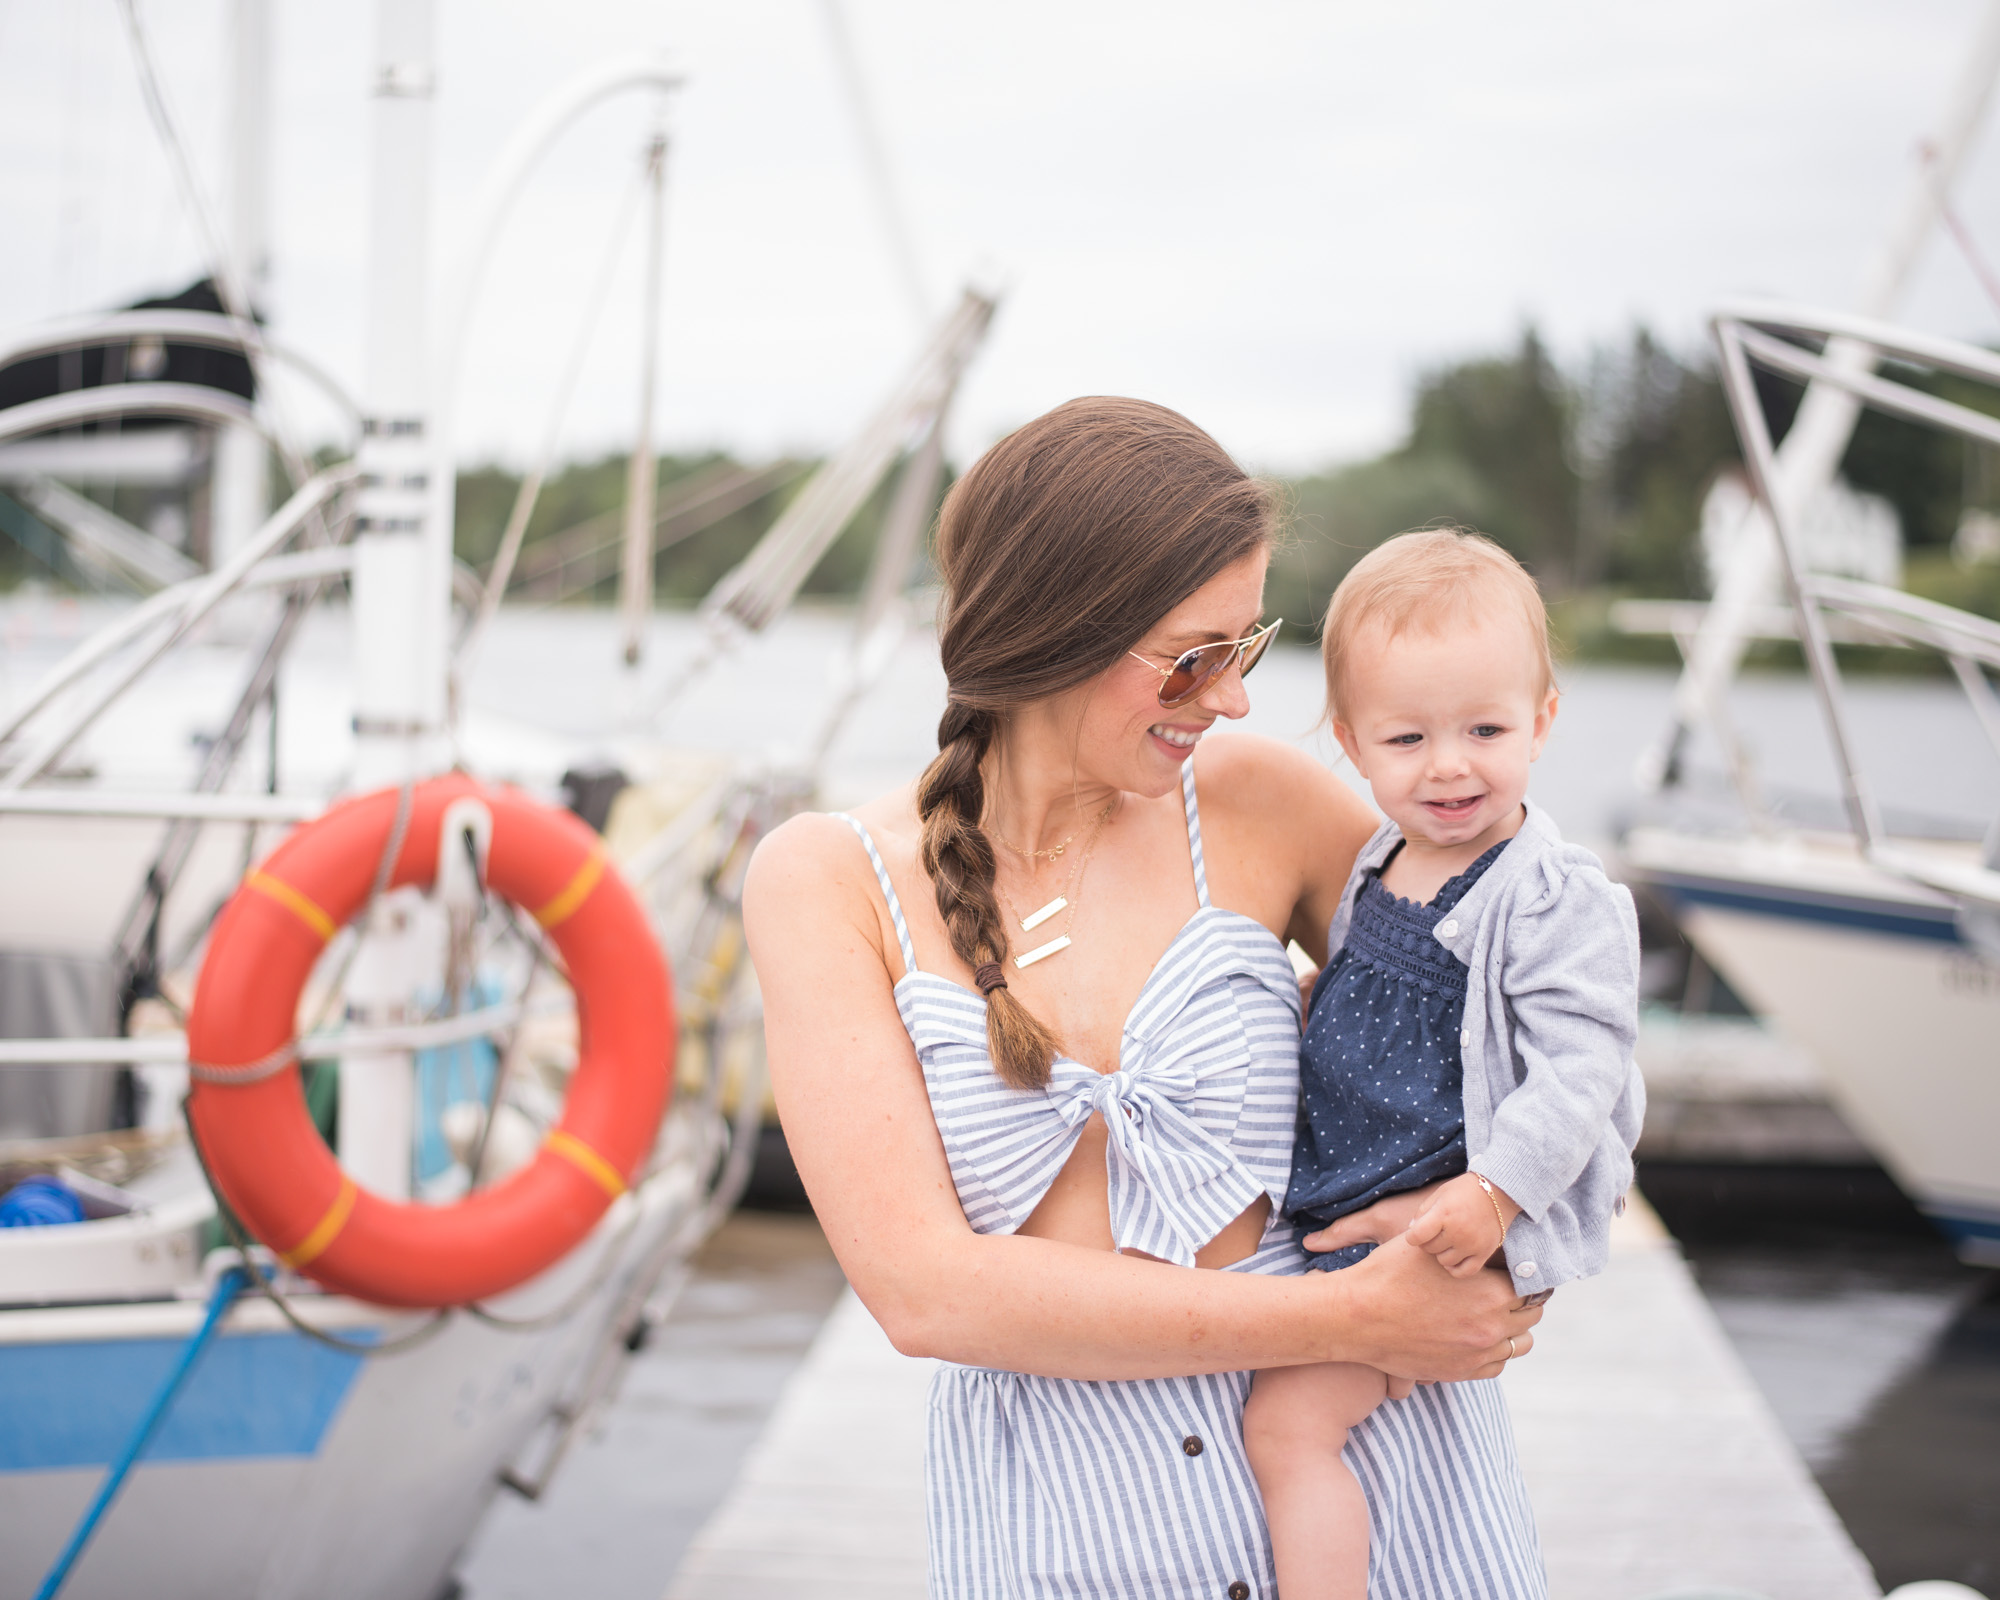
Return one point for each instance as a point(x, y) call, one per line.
point(1377, 1224)
point(1460, 1226)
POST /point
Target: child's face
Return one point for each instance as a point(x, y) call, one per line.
point(1444, 726)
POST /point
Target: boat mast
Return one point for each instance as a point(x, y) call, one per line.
point(635, 597)
point(241, 478)
point(402, 571)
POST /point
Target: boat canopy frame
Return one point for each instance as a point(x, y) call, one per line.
point(1778, 338)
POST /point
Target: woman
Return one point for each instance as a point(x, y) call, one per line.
point(1034, 1037)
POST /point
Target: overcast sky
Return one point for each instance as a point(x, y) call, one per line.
point(1270, 215)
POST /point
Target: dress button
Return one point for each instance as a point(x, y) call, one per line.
point(1526, 1269)
point(1239, 1590)
point(1192, 1445)
point(1448, 929)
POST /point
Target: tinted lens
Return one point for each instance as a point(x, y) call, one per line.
point(1253, 652)
point(1192, 674)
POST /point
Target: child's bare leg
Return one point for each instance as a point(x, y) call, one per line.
point(1294, 1429)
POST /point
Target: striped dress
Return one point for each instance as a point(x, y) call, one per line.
point(1053, 1487)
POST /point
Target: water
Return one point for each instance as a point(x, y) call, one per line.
point(548, 690)
point(1878, 1350)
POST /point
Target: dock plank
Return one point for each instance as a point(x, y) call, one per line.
point(1653, 1462)
point(830, 1504)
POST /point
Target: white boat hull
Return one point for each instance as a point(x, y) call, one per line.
point(288, 1471)
point(1874, 976)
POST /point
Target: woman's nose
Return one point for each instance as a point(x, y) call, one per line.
point(1227, 697)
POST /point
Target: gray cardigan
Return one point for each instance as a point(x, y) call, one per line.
point(1553, 1097)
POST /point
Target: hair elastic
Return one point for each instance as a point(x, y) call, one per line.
point(988, 977)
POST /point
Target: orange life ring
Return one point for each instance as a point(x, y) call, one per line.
point(257, 1137)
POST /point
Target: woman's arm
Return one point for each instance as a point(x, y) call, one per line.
point(851, 1095)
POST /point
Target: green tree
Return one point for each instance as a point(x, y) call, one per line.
point(1508, 420)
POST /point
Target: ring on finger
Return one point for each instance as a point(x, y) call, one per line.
point(1511, 1351)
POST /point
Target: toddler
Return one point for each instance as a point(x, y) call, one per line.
point(1468, 1048)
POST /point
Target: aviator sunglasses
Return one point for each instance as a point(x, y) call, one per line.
point(1195, 671)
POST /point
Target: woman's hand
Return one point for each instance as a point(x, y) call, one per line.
point(1415, 1321)
point(1376, 1224)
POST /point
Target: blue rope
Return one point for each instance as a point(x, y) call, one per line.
point(226, 1289)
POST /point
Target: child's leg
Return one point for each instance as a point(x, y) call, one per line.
point(1294, 1429)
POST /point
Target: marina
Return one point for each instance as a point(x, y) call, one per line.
point(392, 1196)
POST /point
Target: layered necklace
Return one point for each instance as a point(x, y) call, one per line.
point(1072, 890)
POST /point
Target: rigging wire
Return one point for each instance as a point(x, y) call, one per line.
point(1981, 268)
point(531, 486)
point(222, 266)
point(875, 160)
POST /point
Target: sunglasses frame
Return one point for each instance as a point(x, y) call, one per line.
point(1235, 651)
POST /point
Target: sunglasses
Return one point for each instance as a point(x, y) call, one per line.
point(1194, 673)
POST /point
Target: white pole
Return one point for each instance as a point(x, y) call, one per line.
point(635, 589)
point(241, 483)
point(1810, 453)
point(402, 574)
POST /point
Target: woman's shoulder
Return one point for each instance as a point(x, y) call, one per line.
point(817, 858)
point(1265, 783)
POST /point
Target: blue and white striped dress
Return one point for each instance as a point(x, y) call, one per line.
point(1053, 1487)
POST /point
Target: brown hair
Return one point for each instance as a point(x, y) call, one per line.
point(1064, 544)
point(1422, 580)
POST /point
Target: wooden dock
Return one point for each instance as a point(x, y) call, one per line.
point(1655, 1466)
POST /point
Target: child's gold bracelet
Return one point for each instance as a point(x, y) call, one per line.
point(1498, 1215)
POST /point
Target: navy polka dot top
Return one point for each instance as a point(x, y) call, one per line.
point(1382, 1107)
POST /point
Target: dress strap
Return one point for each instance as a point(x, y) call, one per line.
point(889, 891)
point(1194, 832)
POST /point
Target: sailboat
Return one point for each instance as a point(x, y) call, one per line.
point(195, 1401)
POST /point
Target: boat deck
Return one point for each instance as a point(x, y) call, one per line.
point(1654, 1463)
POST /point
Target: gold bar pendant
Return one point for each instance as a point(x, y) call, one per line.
point(1042, 950)
point(1034, 919)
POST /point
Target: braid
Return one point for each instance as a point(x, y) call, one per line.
point(957, 855)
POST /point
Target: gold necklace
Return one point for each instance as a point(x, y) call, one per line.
point(1068, 900)
point(1054, 850)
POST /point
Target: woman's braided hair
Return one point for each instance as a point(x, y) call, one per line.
point(1059, 551)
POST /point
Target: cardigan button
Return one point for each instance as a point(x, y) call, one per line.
point(1448, 929)
point(1464, 1038)
point(1526, 1269)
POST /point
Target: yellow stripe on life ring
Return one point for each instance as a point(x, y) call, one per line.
point(293, 901)
point(326, 1230)
point(580, 1155)
point(575, 892)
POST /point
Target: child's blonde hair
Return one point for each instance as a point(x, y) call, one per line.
point(1425, 580)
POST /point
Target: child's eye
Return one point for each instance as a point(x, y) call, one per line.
point(1489, 730)
point(1406, 738)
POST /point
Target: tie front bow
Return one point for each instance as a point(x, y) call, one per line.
point(1173, 1185)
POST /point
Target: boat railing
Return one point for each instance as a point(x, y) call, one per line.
point(167, 617)
point(1821, 348)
